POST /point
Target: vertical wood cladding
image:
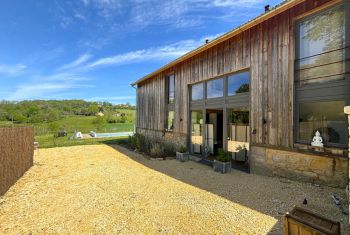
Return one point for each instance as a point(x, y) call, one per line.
point(267, 49)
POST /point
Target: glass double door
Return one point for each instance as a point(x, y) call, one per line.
point(211, 131)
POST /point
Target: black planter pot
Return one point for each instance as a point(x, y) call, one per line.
point(222, 167)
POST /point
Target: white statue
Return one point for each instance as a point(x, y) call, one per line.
point(317, 141)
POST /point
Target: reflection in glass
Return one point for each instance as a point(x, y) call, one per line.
point(321, 47)
point(197, 131)
point(198, 91)
point(238, 83)
point(215, 88)
point(170, 120)
point(238, 133)
point(171, 89)
point(326, 117)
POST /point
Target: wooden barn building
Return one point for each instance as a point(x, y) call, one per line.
point(261, 92)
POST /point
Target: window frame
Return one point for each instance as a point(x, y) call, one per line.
point(167, 121)
point(335, 90)
point(224, 93)
point(203, 91)
point(169, 106)
point(233, 74)
point(168, 88)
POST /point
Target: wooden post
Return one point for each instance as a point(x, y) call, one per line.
point(347, 111)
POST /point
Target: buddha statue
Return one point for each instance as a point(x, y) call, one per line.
point(317, 141)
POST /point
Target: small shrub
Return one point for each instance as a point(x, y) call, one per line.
point(223, 156)
point(169, 149)
point(157, 151)
point(132, 141)
point(140, 142)
point(182, 149)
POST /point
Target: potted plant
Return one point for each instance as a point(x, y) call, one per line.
point(182, 154)
point(222, 163)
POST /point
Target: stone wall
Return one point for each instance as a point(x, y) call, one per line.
point(172, 137)
point(326, 170)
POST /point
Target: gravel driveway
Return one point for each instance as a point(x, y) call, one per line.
point(100, 189)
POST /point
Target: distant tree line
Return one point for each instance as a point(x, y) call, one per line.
point(39, 111)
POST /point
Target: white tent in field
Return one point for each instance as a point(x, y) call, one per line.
point(78, 135)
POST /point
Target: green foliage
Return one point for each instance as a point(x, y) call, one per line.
point(99, 122)
point(169, 149)
point(143, 144)
point(140, 142)
point(157, 151)
point(243, 88)
point(92, 110)
point(54, 127)
point(47, 141)
point(182, 149)
point(44, 111)
point(223, 156)
point(154, 148)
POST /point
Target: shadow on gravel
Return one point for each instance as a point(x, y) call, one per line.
point(272, 196)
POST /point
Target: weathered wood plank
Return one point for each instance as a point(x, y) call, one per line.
point(267, 50)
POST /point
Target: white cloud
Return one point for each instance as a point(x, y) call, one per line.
point(236, 3)
point(173, 13)
point(171, 51)
point(62, 77)
point(12, 70)
point(105, 8)
point(79, 61)
point(42, 90)
point(113, 98)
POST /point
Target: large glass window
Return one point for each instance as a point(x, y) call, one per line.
point(238, 83)
point(322, 80)
point(198, 91)
point(171, 89)
point(215, 88)
point(170, 121)
point(197, 131)
point(321, 49)
point(326, 117)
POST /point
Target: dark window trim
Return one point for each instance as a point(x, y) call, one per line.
point(225, 81)
point(313, 90)
point(167, 84)
point(169, 106)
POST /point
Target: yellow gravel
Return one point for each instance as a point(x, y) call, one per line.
point(99, 189)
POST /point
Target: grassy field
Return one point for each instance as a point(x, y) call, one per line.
point(83, 124)
point(48, 141)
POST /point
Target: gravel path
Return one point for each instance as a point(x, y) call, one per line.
point(99, 189)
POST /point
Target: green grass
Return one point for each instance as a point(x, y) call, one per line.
point(47, 141)
point(83, 124)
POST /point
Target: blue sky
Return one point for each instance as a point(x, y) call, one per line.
point(94, 49)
